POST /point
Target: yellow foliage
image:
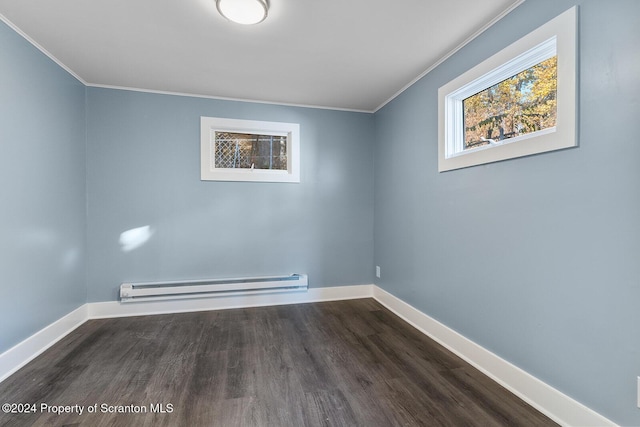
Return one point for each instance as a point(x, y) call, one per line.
point(518, 105)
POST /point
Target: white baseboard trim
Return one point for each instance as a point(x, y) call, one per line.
point(546, 399)
point(24, 352)
point(101, 310)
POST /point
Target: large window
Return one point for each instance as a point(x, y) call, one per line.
point(247, 150)
point(520, 101)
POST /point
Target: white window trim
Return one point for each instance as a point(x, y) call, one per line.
point(210, 125)
point(556, 37)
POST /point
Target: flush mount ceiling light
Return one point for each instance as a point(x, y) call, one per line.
point(246, 12)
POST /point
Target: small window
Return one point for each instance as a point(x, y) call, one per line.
point(520, 101)
point(246, 150)
point(250, 151)
point(517, 106)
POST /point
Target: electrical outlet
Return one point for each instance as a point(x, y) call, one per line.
point(378, 271)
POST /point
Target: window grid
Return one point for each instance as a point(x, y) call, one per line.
point(249, 151)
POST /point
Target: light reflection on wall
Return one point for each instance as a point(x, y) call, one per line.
point(134, 238)
point(70, 259)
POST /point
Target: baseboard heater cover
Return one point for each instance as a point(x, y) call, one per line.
point(157, 291)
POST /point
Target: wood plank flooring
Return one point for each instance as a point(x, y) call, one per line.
point(343, 363)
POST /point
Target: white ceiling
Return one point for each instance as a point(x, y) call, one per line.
point(344, 54)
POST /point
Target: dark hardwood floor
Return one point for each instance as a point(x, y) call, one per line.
point(344, 363)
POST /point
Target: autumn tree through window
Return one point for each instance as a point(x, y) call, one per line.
point(518, 102)
point(516, 106)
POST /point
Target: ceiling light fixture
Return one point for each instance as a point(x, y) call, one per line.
point(246, 12)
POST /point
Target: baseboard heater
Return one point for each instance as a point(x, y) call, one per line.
point(155, 291)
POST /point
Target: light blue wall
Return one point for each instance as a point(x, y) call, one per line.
point(536, 259)
point(42, 190)
point(143, 164)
